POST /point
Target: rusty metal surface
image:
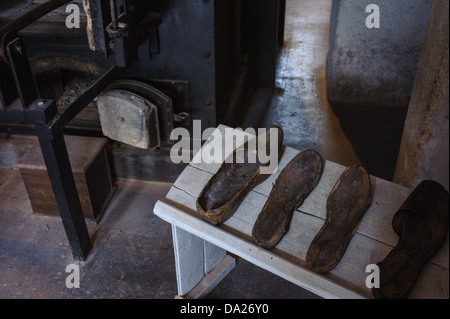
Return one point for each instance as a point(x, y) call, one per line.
point(32, 16)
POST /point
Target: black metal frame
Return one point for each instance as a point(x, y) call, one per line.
point(25, 106)
point(205, 53)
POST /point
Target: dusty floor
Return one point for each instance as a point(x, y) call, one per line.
point(133, 255)
point(300, 104)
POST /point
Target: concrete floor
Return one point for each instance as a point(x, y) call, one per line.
point(300, 104)
point(133, 255)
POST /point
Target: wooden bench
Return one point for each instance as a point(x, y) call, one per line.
point(201, 249)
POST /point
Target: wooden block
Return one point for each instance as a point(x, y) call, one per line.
point(91, 171)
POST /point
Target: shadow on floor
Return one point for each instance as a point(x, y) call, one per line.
point(375, 132)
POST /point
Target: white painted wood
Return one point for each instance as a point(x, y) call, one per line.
point(261, 257)
point(372, 242)
point(213, 278)
point(212, 255)
point(188, 259)
point(361, 252)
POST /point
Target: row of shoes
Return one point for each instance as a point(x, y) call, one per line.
point(421, 223)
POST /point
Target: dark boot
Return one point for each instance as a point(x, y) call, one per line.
point(422, 225)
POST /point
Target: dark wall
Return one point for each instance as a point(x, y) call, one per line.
point(203, 42)
point(375, 66)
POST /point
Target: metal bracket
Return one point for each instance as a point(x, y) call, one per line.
point(120, 31)
point(150, 24)
point(182, 118)
point(14, 53)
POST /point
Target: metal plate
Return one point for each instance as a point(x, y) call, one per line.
point(128, 118)
point(162, 102)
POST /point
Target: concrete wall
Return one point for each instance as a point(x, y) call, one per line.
point(375, 66)
point(424, 150)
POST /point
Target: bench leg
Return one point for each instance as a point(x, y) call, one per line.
point(200, 265)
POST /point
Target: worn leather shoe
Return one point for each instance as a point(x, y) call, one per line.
point(422, 226)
